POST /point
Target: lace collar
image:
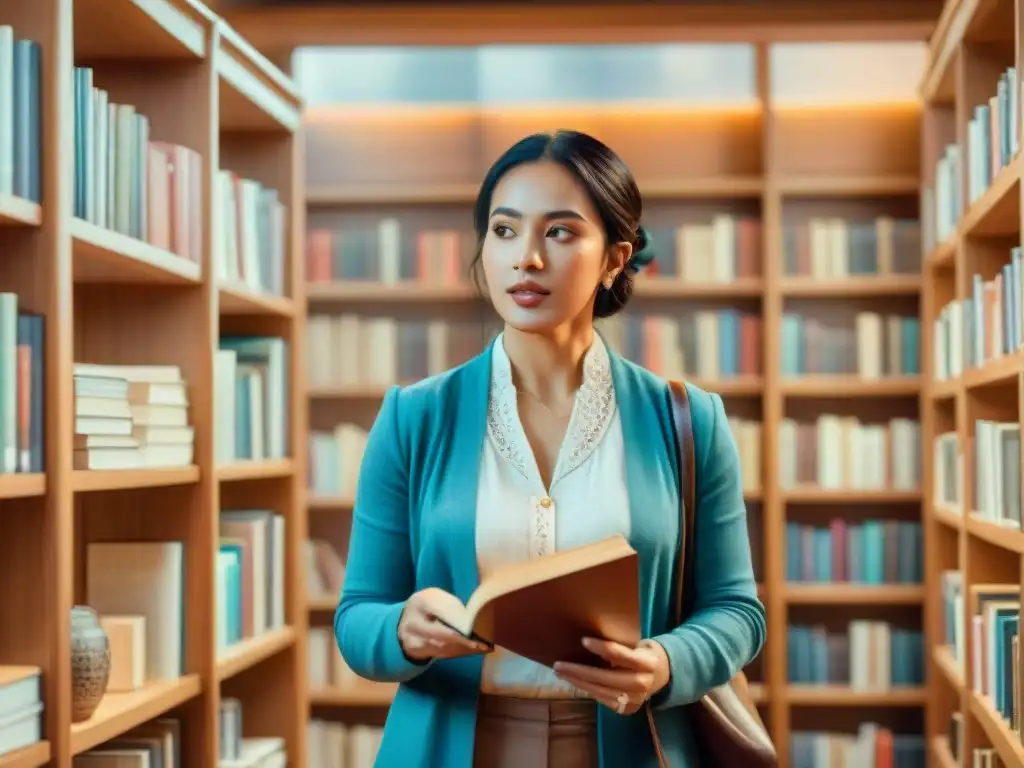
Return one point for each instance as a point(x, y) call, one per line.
point(591, 413)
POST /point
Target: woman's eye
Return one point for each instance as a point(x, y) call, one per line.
point(501, 230)
point(560, 233)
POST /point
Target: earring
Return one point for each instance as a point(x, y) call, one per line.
point(609, 280)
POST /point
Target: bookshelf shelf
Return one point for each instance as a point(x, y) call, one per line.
point(120, 712)
point(850, 386)
point(103, 255)
point(248, 653)
point(30, 757)
point(239, 301)
point(830, 696)
point(949, 517)
point(255, 470)
point(119, 81)
point(363, 694)
point(849, 186)
point(15, 211)
point(851, 287)
point(22, 485)
point(853, 594)
point(829, 496)
point(141, 29)
point(1002, 536)
point(1005, 741)
point(84, 481)
point(946, 662)
point(942, 754)
point(330, 502)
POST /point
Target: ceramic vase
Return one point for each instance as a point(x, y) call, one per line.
point(90, 662)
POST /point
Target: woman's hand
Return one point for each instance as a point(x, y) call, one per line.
point(423, 637)
point(636, 674)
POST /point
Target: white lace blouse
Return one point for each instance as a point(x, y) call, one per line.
point(517, 518)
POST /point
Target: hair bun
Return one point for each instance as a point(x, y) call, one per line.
point(643, 251)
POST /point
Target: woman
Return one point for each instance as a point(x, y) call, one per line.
point(547, 440)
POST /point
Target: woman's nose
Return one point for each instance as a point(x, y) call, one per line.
point(533, 259)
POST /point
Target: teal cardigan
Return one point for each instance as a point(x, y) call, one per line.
point(414, 527)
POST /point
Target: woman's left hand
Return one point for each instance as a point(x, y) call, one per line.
point(636, 674)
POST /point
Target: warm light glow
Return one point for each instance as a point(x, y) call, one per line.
point(441, 114)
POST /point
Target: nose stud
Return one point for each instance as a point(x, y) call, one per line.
point(515, 267)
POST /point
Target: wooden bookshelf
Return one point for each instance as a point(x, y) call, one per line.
point(782, 166)
point(110, 298)
point(974, 44)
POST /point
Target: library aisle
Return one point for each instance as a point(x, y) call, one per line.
point(785, 211)
point(152, 419)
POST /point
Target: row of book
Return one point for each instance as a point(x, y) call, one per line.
point(335, 457)
point(388, 254)
point(871, 552)
point(22, 386)
point(153, 191)
point(873, 746)
point(993, 134)
point(325, 666)
point(237, 750)
point(251, 395)
point(983, 326)
point(869, 345)
point(20, 116)
point(334, 460)
point(833, 248)
point(722, 250)
point(708, 344)
point(867, 656)
point(126, 182)
point(157, 742)
point(942, 202)
point(131, 417)
point(250, 570)
point(353, 350)
point(250, 248)
point(325, 569)
point(841, 453)
point(990, 613)
point(995, 460)
point(332, 744)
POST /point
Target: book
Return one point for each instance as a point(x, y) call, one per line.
point(543, 608)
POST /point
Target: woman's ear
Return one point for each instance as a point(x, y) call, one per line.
point(618, 257)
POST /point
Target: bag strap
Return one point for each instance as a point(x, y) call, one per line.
point(680, 403)
point(688, 497)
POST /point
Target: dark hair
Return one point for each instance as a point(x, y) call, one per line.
point(609, 185)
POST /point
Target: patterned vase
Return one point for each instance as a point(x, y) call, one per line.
point(90, 662)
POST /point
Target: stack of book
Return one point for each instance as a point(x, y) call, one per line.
point(21, 708)
point(131, 417)
point(335, 458)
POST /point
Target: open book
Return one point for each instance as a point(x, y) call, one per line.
point(543, 608)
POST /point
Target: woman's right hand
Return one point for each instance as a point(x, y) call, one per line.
point(423, 637)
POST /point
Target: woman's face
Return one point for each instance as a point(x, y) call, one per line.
point(542, 221)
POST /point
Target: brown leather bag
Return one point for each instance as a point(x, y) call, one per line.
point(725, 721)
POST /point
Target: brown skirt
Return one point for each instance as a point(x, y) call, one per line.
point(534, 733)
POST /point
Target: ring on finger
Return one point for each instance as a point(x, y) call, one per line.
point(620, 703)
